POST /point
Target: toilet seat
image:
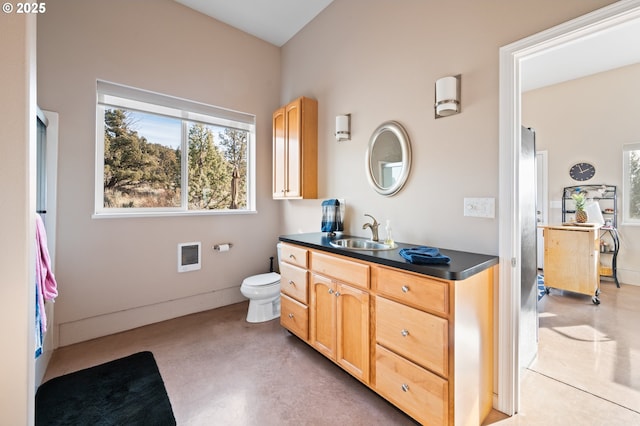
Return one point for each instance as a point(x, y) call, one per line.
point(261, 280)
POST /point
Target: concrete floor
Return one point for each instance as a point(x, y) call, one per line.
point(588, 366)
point(220, 370)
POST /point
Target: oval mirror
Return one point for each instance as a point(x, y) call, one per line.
point(388, 159)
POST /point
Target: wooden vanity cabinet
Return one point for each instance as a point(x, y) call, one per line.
point(425, 344)
point(295, 150)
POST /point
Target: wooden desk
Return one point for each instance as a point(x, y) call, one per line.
point(572, 259)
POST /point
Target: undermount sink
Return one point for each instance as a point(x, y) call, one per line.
point(361, 244)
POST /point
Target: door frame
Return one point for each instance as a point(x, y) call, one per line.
point(542, 193)
point(511, 57)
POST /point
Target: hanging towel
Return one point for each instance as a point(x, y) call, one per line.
point(46, 286)
point(331, 217)
point(424, 256)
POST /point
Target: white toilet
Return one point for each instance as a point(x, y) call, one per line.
point(263, 292)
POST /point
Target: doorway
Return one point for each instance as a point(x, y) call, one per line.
point(510, 242)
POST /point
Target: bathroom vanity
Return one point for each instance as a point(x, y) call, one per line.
point(421, 336)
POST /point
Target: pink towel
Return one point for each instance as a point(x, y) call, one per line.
point(46, 287)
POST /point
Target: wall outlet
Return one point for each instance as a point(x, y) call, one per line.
point(480, 207)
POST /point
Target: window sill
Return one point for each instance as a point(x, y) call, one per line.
point(147, 214)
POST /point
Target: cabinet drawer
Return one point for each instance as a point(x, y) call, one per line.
point(340, 269)
point(294, 255)
point(414, 334)
point(418, 291)
point(294, 316)
point(416, 391)
point(293, 282)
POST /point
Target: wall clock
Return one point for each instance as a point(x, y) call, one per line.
point(582, 171)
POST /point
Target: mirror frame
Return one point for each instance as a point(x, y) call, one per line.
point(405, 145)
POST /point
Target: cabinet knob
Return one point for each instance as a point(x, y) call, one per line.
point(330, 291)
point(405, 288)
point(291, 316)
point(404, 332)
point(405, 387)
point(337, 294)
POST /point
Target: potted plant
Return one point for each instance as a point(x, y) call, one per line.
point(581, 215)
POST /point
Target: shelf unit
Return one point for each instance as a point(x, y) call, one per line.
point(607, 198)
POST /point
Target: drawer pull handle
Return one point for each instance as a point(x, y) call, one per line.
point(291, 256)
point(330, 291)
point(291, 316)
point(404, 332)
point(405, 387)
point(291, 282)
point(405, 289)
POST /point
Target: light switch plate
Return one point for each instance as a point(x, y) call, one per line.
point(480, 207)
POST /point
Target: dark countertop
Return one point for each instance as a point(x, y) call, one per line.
point(463, 264)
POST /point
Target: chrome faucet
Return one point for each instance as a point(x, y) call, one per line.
point(373, 226)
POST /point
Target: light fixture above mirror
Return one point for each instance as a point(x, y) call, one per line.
point(447, 96)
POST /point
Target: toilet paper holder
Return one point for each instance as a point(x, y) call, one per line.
point(222, 247)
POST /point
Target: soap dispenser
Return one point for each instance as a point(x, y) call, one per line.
point(389, 239)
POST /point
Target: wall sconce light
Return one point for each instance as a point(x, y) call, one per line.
point(447, 96)
point(343, 127)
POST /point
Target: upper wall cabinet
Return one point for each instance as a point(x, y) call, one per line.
point(295, 150)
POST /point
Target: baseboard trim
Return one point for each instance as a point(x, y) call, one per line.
point(115, 322)
point(628, 276)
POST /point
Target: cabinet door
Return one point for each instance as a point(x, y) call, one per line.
point(353, 330)
point(293, 141)
point(295, 150)
point(323, 315)
point(279, 154)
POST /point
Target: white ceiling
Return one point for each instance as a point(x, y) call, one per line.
point(274, 21)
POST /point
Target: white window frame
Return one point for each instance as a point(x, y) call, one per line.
point(112, 95)
point(626, 184)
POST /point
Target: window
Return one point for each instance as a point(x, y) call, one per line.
point(160, 155)
point(631, 184)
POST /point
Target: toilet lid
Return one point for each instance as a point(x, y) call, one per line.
point(262, 279)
